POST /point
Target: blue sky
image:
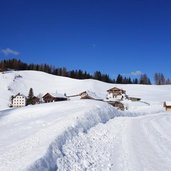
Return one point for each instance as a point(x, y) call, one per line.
point(113, 36)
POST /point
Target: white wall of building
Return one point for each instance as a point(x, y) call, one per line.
point(19, 101)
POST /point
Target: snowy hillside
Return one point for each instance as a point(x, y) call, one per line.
point(21, 81)
point(79, 135)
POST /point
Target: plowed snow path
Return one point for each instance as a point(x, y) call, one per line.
point(122, 144)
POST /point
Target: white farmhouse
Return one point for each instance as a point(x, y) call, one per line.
point(19, 100)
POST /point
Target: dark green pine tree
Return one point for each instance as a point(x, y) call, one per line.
point(97, 75)
point(30, 96)
point(119, 79)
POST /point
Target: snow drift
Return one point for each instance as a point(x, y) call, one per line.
point(32, 137)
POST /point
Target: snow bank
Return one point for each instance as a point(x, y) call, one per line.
point(32, 137)
point(100, 113)
point(86, 120)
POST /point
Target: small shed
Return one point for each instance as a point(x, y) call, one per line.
point(167, 105)
point(59, 97)
point(116, 91)
point(89, 95)
point(35, 100)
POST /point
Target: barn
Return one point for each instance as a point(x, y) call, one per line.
point(47, 98)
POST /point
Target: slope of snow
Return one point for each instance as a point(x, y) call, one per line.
point(21, 81)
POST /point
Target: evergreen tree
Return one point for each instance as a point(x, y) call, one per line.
point(30, 96)
point(80, 74)
point(135, 81)
point(97, 75)
point(106, 78)
point(119, 79)
point(129, 81)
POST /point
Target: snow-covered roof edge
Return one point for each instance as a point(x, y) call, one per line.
point(168, 103)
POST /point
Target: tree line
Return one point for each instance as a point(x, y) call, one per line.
point(15, 64)
point(160, 79)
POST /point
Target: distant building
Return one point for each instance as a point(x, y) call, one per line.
point(85, 95)
point(47, 98)
point(18, 100)
point(89, 95)
point(35, 100)
point(116, 92)
point(167, 105)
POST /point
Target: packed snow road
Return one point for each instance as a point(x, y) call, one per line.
point(123, 144)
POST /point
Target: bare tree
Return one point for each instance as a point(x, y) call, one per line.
point(144, 79)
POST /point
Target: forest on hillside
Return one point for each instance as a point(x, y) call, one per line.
point(16, 64)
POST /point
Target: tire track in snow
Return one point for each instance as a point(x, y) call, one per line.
point(122, 144)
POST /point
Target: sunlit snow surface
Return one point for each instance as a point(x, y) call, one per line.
point(83, 134)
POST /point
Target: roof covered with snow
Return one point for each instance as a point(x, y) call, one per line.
point(58, 95)
point(19, 95)
point(168, 103)
point(91, 94)
point(55, 95)
point(116, 89)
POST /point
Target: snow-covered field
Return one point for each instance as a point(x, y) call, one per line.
point(81, 135)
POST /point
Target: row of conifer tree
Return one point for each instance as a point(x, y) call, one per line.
point(15, 64)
